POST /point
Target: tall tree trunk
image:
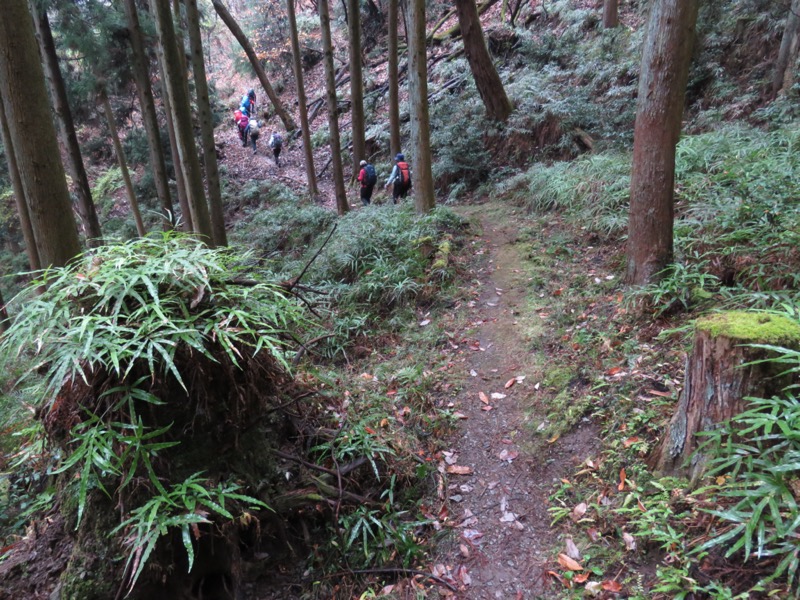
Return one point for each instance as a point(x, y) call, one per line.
point(58, 93)
point(180, 181)
point(237, 32)
point(356, 85)
point(394, 85)
point(19, 194)
point(659, 108)
point(498, 106)
point(424, 198)
point(102, 98)
point(610, 14)
point(311, 175)
point(181, 117)
point(144, 92)
point(783, 76)
point(28, 111)
point(206, 125)
point(333, 113)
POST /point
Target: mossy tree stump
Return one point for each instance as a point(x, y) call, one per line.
point(721, 371)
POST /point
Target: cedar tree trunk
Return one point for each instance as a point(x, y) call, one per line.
point(311, 175)
point(610, 14)
point(206, 125)
point(356, 85)
point(394, 95)
point(424, 199)
point(19, 194)
point(102, 97)
point(58, 94)
point(333, 114)
point(787, 55)
point(498, 106)
point(659, 108)
point(181, 117)
point(722, 370)
point(28, 110)
point(237, 32)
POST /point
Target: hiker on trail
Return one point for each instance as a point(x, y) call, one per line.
point(243, 125)
point(368, 178)
point(400, 177)
point(248, 104)
point(254, 133)
point(276, 142)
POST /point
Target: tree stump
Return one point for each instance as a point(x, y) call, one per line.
point(720, 374)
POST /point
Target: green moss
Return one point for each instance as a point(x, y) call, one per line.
point(558, 377)
point(752, 327)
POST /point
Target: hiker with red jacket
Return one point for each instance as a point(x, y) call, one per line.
point(367, 177)
point(400, 177)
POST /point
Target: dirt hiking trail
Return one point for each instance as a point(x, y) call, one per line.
point(505, 544)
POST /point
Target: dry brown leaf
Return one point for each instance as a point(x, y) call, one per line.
point(570, 564)
point(579, 511)
point(572, 550)
point(581, 577)
point(593, 534)
point(510, 382)
point(630, 441)
point(662, 394)
point(486, 408)
point(459, 470)
point(484, 398)
point(554, 438)
point(464, 550)
point(622, 477)
point(563, 581)
point(612, 586)
point(630, 541)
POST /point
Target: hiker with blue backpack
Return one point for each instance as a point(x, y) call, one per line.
point(400, 177)
point(368, 178)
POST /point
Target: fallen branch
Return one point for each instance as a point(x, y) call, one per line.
point(395, 571)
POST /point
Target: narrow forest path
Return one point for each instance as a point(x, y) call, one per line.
point(504, 540)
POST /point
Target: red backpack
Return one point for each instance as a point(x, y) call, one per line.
point(405, 173)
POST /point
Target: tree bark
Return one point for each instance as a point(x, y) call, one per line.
point(3, 315)
point(311, 175)
point(356, 86)
point(394, 85)
point(490, 87)
point(333, 115)
point(19, 194)
point(206, 125)
point(180, 183)
point(783, 75)
point(58, 94)
point(610, 14)
point(27, 110)
point(181, 117)
point(721, 372)
point(424, 198)
point(662, 88)
point(237, 32)
point(144, 92)
point(123, 164)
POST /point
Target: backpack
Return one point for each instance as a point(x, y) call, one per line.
point(276, 141)
point(405, 173)
point(371, 175)
point(237, 116)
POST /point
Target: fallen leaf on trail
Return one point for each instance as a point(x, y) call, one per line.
point(662, 394)
point(484, 398)
point(563, 581)
point(558, 292)
point(641, 506)
point(581, 577)
point(630, 541)
point(508, 517)
point(631, 440)
point(469, 522)
point(612, 586)
point(464, 549)
point(510, 383)
point(459, 470)
point(622, 477)
point(384, 422)
point(614, 370)
point(721, 479)
point(471, 535)
point(425, 322)
point(593, 534)
point(554, 438)
point(473, 373)
point(579, 511)
point(369, 430)
point(486, 408)
point(508, 455)
point(568, 563)
point(459, 415)
point(536, 386)
point(593, 588)
point(387, 590)
point(498, 396)
point(572, 549)
point(463, 575)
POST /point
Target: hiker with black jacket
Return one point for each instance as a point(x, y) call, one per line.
point(400, 177)
point(368, 178)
